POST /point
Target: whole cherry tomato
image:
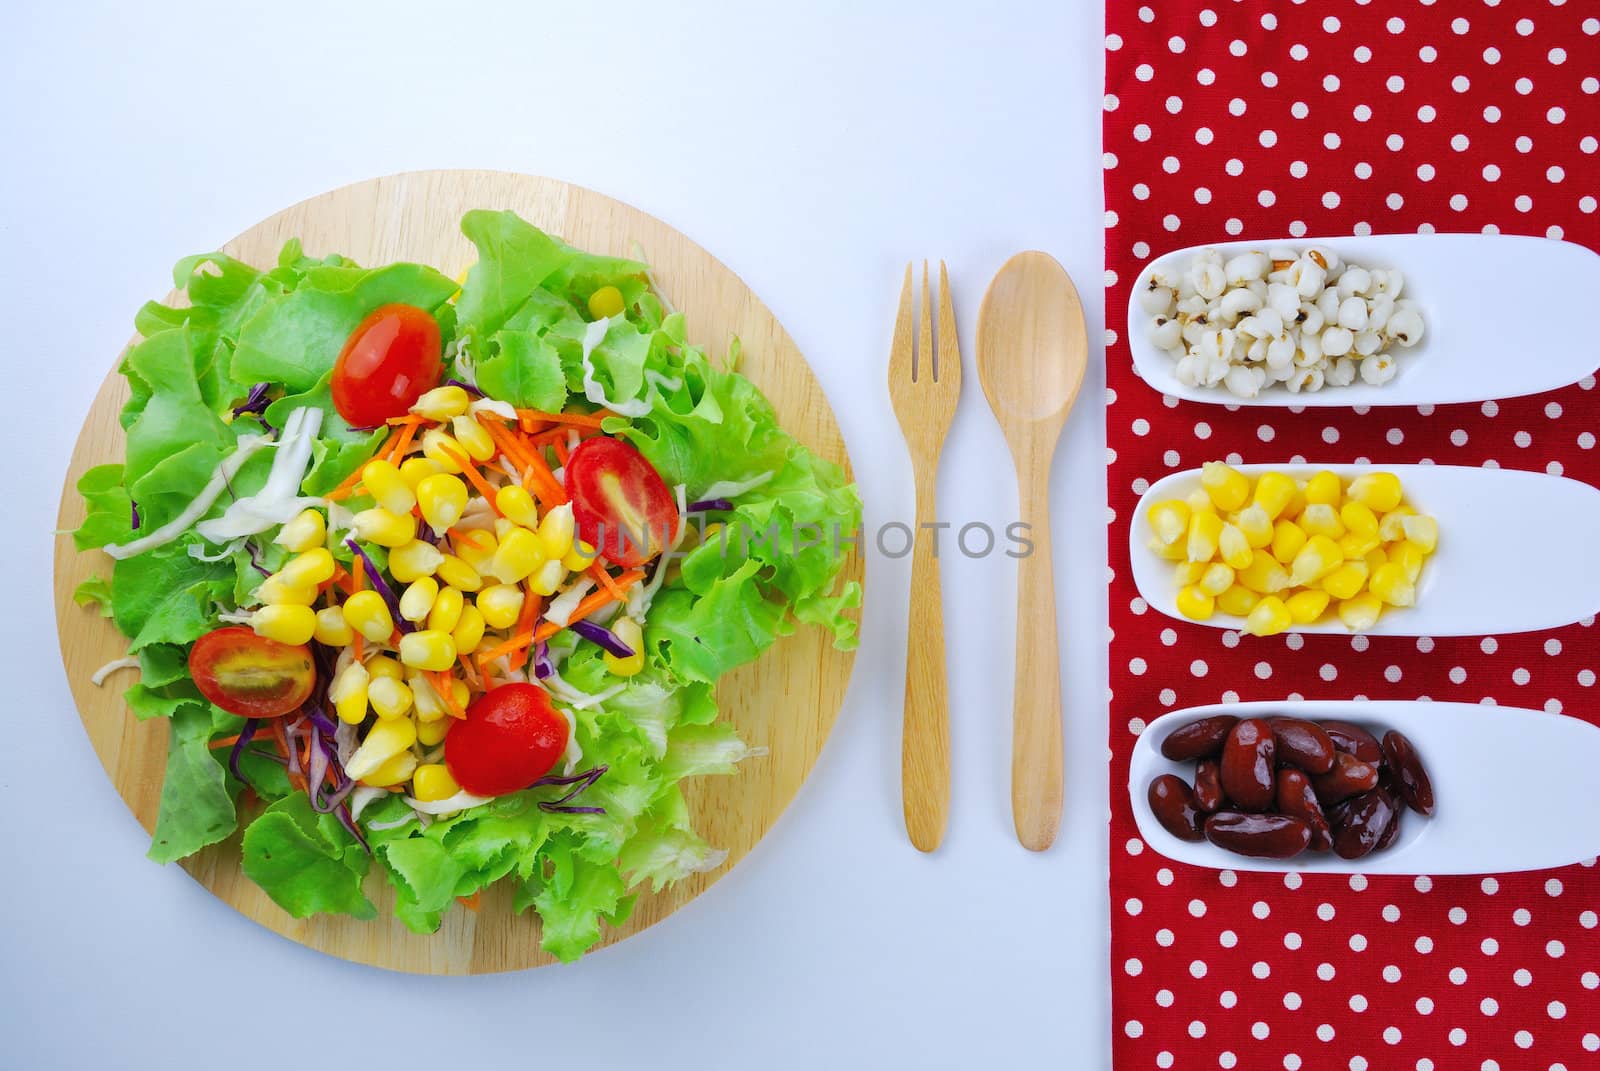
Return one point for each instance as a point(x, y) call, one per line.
point(509, 739)
point(387, 363)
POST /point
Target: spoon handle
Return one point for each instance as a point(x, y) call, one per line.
point(1036, 779)
point(925, 739)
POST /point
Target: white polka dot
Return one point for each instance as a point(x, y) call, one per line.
point(1361, 112)
point(1358, 1003)
point(1458, 976)
point(1396, 24)
point(1422, 883)
point(1489, 1006)
point(1555, 949)
point(1133, 1028)
point(1358, 942)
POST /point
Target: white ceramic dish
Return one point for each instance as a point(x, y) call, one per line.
point(1516, 550)
point(1476, 756)
point(1498, 309)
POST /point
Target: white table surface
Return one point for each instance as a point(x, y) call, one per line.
point(814, 148)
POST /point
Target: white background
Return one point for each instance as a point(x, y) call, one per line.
point(814, 148)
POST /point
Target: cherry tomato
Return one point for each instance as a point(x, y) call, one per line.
point(509, 739)
point(386, 365)
point(251, 675)
point(621, 505)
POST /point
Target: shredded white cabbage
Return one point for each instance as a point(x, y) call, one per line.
point(641, 596)
point(649, 277)
point(100, 675)
point(395, 823)
point(363, 795)
point(492, 405)
point(227, 468)
point(459, 802)
point(561, 607)
point(665, 382)
point(198, 553)
point(733, 488)
point(279, 498)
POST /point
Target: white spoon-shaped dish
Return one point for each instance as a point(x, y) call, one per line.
point(1516, 550)
point(1496, 310)
point(1513, 788)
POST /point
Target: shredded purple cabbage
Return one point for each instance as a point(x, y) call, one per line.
point(541, 661)
point(133, 510)
point(707, 505)
point(255, 402)
point(603, 636)
point(580, 782)
point(348, 820)
point(255, 558)
point(249, 730)
point(382, 588)
point(426, 533)
point(464, 385)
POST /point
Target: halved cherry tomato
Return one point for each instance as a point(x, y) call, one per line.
point(509, 739)
point(620, 503)
point(251, 675)
point(387, 363)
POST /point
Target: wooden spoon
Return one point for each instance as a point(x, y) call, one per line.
point(1032, 351)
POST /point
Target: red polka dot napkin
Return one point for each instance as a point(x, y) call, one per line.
point(1344, 117)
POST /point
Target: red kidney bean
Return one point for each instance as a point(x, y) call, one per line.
point(1264, 836)
point(1199, 739)
point(1208, 786)
point(1297, 799)
point(1411, 780)
point(1247, 765)
point(1359, 824)
point(1303, 744)
point(1172, 802)
point(1392, 831)
point(1349, 777)
point(1354, 740)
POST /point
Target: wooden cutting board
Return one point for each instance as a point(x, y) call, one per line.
point(786, 703)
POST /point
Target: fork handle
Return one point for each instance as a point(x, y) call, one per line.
point(925, 740)
point(1036, 759)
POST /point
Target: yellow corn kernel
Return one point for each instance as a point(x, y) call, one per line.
point(458, 574)
point(1306, 606)
point(429, 706)
point(1391, 584)
point(274, 592)
point(446, 610)
point(1204, 531)
point(1391, 526)
point(384, 483)
point(1228, 487)
point(1169, 520)
point(392, 772)
point(428, 649)
point(390, 698)
point(1421, 532)
point(1358, 517)
point(1357, 545)
point(1374, 558)
point(1319, 557)
point(547, 578)
point(476, 547)
point(348, 693)
point(431, 733)
point(1379, 491)
point(308, 569)
point(556, 531)
point(1274, 492)
point(1409, 557)
point(418, 598)
point(1324, 489)
point(306, 530)
point(1268, 618)
point(437, 446)
point(500, 604)
point(1172, 552)
point(1360, 612)
point(462, 695)
point(514, 502)
point(1256, 525)
point(1195, 604)
point(1322, 519)
point(1189, 572)
point(384, 666)
point(442, 403)
point(1347, 580)
point(413, 470)
point(387, 738)
point(368, 614)
point(1264, 575)
point(605, 302)
point(1237, 600)
point(473, 439)
point(520, 553)
point(1199, 502)
point(1287, 539)
point(332, 629)
point(414, 560)
point(503, 525)
point(468, 632)
point(582, 554)
point(628, 631)
point(432, 782)
point(1216, 579)
point(1234, 547)
point(286, 623)
point(442, 499)
point(384, 528)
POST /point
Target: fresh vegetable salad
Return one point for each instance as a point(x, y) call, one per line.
point(440, 577)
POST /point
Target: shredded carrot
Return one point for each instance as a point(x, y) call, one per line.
point(441, 682)
point(358, 578)
point(508, 444)
point(282, 739)
point(589, 604)
point(581, 420)
point(532, 607)
point(560, 446)
point(468, 673)
point(468, 902)
point(402, 444)
point(470, 471)
point(409, 418)
point(226, 741)
point(603, 578)
point(561, 435)
point(539, 473)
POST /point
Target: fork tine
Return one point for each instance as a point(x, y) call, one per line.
point(947, 367)
point(925, 332)
point(901, 366)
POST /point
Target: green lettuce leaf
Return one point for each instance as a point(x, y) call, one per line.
point(196, 808)
point(305, 861)
point(94, 591)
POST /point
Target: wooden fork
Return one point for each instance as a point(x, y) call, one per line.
point(924, 386)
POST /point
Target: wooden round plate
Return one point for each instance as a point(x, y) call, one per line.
point(785, 703)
